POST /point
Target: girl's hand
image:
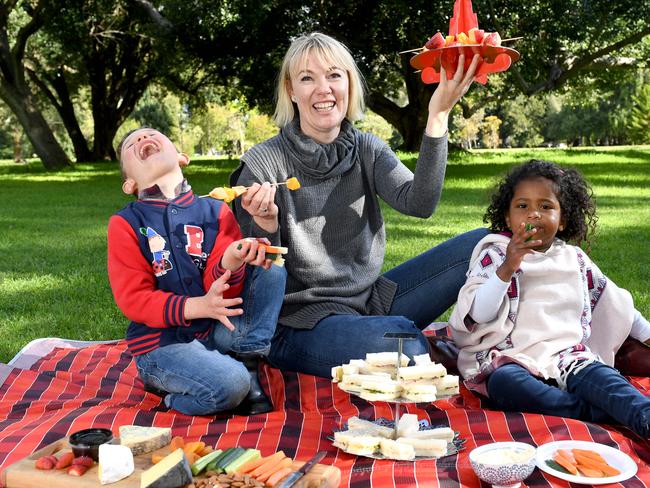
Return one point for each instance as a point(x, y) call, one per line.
point(213, 305)
point(447, 95)
point(246, 251)
point(259, 201)
point(521, 243)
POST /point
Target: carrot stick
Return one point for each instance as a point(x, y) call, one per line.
point(285, 463)
point(251, 465)
point(278, 476)
point(567, 454)
point(272, 460)
point(591, 473)
point(593, 464)
point(590, 454)
point(565, 463)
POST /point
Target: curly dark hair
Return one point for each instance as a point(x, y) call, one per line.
point(572, 191)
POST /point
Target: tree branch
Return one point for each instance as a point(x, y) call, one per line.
point(154, 15)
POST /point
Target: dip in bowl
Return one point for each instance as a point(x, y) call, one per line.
point(503, 464)
point(86, 442)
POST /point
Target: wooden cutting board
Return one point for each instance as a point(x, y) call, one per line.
point(23, 474)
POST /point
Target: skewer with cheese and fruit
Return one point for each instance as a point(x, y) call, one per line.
point(228, 194)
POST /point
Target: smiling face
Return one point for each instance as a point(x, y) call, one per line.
point(535, 202)
point(320, 91)
point(148, 158)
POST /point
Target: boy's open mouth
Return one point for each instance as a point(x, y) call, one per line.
point(147, 149)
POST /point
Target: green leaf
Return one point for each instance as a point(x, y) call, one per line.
point(552, 464)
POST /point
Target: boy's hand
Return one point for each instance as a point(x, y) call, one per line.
point(259, 201)
point(246, 251)
point(520, 244)
point(213, 305)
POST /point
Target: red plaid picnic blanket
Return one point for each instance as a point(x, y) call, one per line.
point(97, 386)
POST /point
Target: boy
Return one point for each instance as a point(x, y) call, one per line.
point(177, 268)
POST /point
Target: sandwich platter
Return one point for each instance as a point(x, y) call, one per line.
point(411, 440)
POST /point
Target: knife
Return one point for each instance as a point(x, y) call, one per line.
point(295, 476)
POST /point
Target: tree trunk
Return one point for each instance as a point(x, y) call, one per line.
point(35, 126)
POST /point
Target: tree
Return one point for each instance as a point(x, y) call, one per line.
point(561, 42)
point(19, 21)
point(490, 131)
point(640, 116)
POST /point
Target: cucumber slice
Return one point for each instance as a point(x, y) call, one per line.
point(248, 455)
point(528, 228)
point(212, 465)
point(233, 454)
point(201, 463)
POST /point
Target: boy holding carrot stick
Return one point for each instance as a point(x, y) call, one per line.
point(201, 319)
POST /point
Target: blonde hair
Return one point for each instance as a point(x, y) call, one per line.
point(329, 52)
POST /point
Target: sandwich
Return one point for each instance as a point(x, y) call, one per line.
point(355, 423)
point(351, 382)
point(359, 441)
point(385, 359)
point(378, 388)
point(426, 447)
point(407, 425)
point(420, 392)
point(337, 374)
point(397, 450)
point(422, 372)
point(422, 359)
point(444, 433)
point(447, 385)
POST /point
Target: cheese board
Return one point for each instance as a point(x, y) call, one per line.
point(23, 473)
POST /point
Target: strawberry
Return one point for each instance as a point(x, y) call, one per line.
point(77, 469)
point(436, 41)
point(86, 461)
point(65, 460)
point(45, 462)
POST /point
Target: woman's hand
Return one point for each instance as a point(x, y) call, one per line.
point(259, 202)
point(521, 243)
point(447, 95)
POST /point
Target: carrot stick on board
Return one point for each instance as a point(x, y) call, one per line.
point(251, 465)
point(284, 463)
point(278, 476)
point(271, 461)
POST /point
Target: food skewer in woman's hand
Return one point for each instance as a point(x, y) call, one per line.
point(229, 194)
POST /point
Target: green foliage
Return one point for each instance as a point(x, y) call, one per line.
point(640, 116)
point(53, 280)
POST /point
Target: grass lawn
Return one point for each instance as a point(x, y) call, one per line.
point(53, 280)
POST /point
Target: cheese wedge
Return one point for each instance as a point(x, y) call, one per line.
point(173, 471)
point(142, 440)
point(115, 463)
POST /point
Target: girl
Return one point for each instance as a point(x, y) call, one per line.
point(537, 322)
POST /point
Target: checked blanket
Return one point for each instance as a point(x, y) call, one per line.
point(69, 389)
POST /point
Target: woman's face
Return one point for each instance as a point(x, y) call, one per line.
point(321, 93)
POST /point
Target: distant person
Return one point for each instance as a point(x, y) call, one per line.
point(201, 319)
point(537, 322)
point(338, 304)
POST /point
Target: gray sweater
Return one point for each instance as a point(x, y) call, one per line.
point(333, 224)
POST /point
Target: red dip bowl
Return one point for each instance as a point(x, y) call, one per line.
point(86, 442)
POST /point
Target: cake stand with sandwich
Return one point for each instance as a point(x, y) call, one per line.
point(387, 376)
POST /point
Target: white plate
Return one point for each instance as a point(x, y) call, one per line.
point(614, 458)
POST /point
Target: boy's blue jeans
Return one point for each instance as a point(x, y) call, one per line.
point(199, 377)
point(597, 393)
point(427, 286)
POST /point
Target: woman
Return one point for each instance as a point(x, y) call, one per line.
point(337, 304)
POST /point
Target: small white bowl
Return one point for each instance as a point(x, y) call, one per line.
point(503, 464)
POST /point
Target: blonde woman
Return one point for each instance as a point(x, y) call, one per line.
point(338, 304)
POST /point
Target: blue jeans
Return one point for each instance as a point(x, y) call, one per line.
point(597, 393)
point(427, 286)
point(199, 377)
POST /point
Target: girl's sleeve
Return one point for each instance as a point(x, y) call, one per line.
point(228, 233)
point(413, 194)
point(133, 282)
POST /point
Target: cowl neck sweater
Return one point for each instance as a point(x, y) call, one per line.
point(321, 161)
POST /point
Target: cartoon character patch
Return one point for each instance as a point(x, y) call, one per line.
point(160, 263)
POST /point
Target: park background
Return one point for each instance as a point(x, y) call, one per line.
point(75, 75)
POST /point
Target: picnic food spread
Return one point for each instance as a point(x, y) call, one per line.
point(464, 38)
point(148, 457)
point(228, 194)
